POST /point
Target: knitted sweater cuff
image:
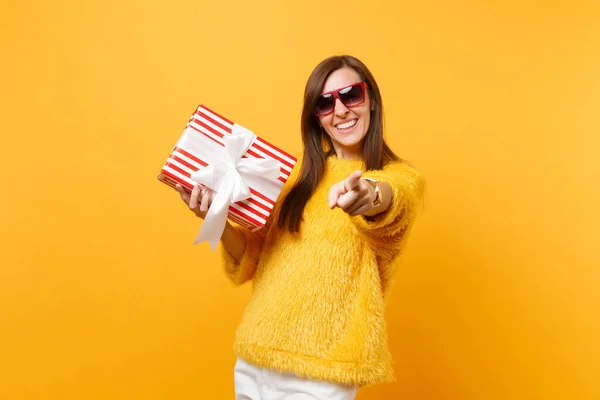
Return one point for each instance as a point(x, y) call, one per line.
point(243, 270)
point(407, 191)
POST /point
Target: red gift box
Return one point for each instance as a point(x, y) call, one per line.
point(201, 144)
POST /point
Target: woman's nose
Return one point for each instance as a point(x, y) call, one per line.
point(340, 109)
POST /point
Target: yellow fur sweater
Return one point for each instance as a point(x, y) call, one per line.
point(317, 308)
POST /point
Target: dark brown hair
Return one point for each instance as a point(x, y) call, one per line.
point(318, 146)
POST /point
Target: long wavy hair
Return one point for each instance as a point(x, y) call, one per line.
point(317, 143)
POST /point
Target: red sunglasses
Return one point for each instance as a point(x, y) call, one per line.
point(350, 96)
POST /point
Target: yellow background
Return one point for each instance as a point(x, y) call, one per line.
point(102, 295)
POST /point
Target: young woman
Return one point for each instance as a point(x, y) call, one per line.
point(323, 266)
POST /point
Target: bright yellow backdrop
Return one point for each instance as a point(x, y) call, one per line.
point(102, 295)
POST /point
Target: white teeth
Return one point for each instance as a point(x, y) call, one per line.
point(346, 125)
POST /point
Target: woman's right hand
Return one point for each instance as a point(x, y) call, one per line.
point(198, 201)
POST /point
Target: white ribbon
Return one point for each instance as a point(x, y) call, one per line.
point(226, 177)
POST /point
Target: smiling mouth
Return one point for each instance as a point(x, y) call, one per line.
point(346, 125)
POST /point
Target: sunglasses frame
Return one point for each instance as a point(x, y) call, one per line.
point(336, 95)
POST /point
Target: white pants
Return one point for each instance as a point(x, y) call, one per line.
point(255, 383)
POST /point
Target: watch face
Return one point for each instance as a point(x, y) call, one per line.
point(377, 201)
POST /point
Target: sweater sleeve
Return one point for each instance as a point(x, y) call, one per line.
point(243, 270)
point(407, 191)
point(386, 232)
point(239, 272)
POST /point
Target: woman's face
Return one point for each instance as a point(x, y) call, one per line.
point(346, 126)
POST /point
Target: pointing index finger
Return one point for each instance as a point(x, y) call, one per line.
point(353, 179)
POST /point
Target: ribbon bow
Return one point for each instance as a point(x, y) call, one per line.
point(226, 177)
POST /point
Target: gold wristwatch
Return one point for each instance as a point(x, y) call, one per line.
point(375, 184)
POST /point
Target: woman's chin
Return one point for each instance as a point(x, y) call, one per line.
point(348, 144)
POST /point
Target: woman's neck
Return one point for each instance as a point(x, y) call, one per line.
point(346, 153)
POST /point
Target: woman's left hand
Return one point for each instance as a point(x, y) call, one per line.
point(353, 195)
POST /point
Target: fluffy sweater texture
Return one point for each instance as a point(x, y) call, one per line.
point(317, 308)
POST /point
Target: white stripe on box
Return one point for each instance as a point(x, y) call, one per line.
point(261, 201)
point(254, 211)
point(251, 215)
point(255, 207)
point(180, 165)
point(186, 159)
point(247, 213)
point(213, 126)
point(207, 131)
point(201, 110)
point(180, 176)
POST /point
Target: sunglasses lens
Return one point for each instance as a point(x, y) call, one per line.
point(352, 95)
point(324, 104)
